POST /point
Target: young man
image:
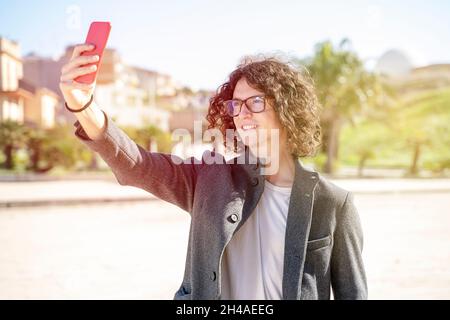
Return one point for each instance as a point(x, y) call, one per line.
point(255, 233)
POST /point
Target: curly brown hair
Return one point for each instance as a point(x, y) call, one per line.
point(290, 92)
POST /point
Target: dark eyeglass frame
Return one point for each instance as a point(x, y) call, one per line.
point(241, 102)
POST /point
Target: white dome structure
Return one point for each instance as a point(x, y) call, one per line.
point(394, 63)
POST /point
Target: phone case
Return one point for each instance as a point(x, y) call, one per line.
point(98, 35)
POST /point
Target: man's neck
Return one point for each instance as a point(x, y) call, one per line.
point(284, 177)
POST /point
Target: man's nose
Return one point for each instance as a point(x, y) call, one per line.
point(244, 110)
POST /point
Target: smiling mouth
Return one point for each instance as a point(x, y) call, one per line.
point(248, 127)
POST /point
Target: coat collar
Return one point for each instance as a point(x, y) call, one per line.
point(298, 219)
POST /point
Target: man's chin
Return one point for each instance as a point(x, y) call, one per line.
point(269, 165)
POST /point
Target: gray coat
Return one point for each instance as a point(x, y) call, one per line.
point(323, 242)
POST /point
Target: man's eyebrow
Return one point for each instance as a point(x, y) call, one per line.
point(253, 95)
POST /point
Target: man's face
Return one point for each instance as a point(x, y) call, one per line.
point(258, 131)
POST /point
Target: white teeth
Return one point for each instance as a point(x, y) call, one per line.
point(249, 126)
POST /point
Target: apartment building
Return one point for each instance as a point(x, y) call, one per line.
point(20, 99)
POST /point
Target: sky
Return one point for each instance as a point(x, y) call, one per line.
point(200, 42)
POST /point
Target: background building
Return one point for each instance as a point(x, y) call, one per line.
point(20, 99)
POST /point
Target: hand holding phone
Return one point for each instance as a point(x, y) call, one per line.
point(98, 36)
point(79, 74)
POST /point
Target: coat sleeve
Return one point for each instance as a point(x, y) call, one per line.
point(166, 176)
point(348, 278)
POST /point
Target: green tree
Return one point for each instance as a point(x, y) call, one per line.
point(363, 141)
point(36, 138)
point(146, 135)
point(421, 123)
point(49, 148)
point(345, 89)
point(12, 137)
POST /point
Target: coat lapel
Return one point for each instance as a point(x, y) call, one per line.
point(297, 230)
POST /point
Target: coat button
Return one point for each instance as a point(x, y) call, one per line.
point(212, 276)
point(234, 217)
point(255, 182)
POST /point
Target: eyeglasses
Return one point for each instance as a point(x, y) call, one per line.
point(255, 104)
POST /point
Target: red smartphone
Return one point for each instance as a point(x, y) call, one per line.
point(98, 35)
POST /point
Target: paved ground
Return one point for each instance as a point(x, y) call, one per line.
point(67, 192)
point(137, 250)
point(108, 251)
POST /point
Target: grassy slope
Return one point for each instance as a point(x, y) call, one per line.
point(424, 117)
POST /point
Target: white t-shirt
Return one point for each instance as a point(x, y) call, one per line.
point(252, 263)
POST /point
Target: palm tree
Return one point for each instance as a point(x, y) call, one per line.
point(344, 89)
point(12, 137)
point(36, 138)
